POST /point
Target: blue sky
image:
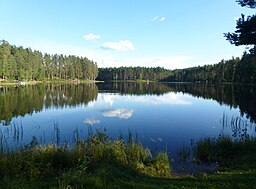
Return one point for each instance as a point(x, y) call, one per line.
point(167, 33)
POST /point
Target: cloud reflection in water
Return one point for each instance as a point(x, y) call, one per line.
point(170, 98)
point(92, 121)
point(120, 113)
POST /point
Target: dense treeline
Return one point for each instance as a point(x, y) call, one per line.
point(18, 63)
point(133, 73)
point(234, 70)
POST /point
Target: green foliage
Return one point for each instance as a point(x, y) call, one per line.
point(66, 166)
point(229, 71)
point(18, 63)
point(245, 33)
point(227, 152)
point(247, 3)
point(133, 73)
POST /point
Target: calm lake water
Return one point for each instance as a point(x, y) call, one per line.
point(170, 116)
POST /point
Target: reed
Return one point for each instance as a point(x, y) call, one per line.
point(227, 151)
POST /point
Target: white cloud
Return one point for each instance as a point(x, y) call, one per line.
point(159, 18)
point(91, 121)
point(155, 18)
point(162, 19)
point(123, 45)
point(91, 37)
point(119, 113)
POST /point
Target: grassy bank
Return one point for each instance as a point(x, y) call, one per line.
point(99, 162)
point(33, 82)
point(94, 162)
point(230, 154)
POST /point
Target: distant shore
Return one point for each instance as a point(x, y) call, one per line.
point(34, 82)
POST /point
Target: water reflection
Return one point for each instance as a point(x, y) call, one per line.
point(238, 127)
point(92, 121)
point(20, 101)
point(164, 115)
point(169, 98)
point(120, 113)
point(235, 96)
point(16, 102)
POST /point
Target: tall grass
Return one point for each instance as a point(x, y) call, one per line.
point(65, 165)
point(227, 151)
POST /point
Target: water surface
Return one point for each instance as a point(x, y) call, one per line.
point(167, 116)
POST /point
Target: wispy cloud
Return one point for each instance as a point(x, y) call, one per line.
point(119, 113)
point(162, 19)
point(91, 121)
point(155, 18)
point(159, 18)
point(91, 37)
point(123, 45)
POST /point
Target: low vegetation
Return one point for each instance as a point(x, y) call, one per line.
point(102, 162)
point(230, 154)
point(80, 165)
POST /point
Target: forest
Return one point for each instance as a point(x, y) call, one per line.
point(24, 64)
point(133, 73)
point(235, 70)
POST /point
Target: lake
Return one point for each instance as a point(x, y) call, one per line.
point(164, 116)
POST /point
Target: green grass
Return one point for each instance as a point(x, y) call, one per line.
point(99, 162)
point(54, 80)
point(62, 166)
point(234, 154)
point(122, 177)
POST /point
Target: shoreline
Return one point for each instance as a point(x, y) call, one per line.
point(34, 82)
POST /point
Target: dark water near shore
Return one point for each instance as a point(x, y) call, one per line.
point(170, 116)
